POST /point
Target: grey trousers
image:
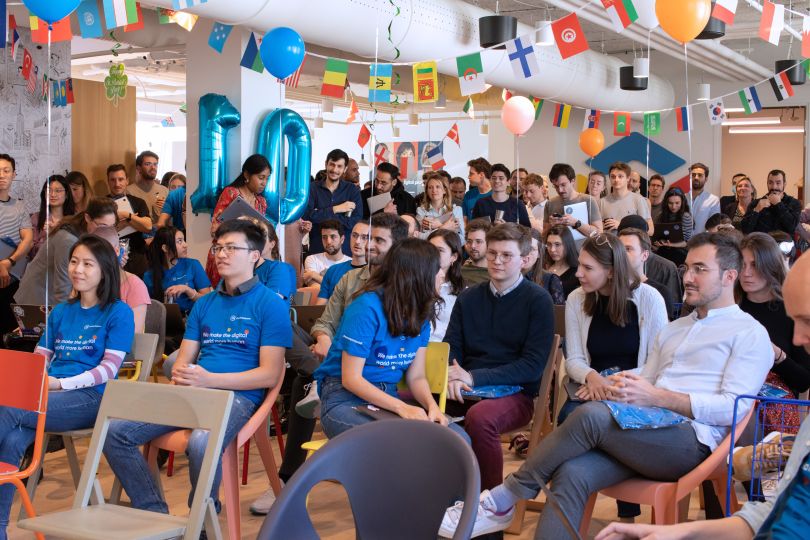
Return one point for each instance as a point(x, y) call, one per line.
point(589, 452)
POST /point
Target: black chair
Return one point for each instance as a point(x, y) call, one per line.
point(400, 476)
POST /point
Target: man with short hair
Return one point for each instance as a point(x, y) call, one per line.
point(634, 182)
point(308, 351)
point(501, 207)
point(500, 333)
point(358, 242)
point(536, 191)
point(316, 265)
point(704, 204)
point(638, 247)
point(725, 200)
point(516, 180)
point(458, 188)
point(146, 185)
point(413, 225)
point(785, 512)
point(776, 211)
point(479, 171)
point(655, 190)
point(332, 198)
point(15, 228)
point(474, 269)
point(133, 215)
point(621, 201)
point(235, 340)
point(697, 367)
point(352, 172)
point(658, 268)
point(563, 178)
point(386, 180)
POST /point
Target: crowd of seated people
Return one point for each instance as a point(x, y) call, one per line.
point(683, 324)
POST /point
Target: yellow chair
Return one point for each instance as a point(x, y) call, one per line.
point(436, 367)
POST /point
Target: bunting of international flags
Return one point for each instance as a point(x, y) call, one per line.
point(562, 113)
point(750, 100)
point(652, 123)
point(592, 118)
point(621, 124)
point(538, 106)
point(682, 118)
point(334, 78)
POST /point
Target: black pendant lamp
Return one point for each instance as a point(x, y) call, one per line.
point(495, 29)
point(627, 81)
point(794, 69)
point(714, 29)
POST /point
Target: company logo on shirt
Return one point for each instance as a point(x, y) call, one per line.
point(394, 359)
point(231, 336)
point(238, 318)
point(86, 326)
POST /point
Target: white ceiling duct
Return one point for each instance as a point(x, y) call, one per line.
point(427, 29)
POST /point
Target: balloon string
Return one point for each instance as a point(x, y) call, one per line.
point(689, 124)
point(47, 189)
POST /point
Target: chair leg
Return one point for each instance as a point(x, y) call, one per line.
point(26, 501)
point(211, 522)
point(230, 484)
point(73, 460)
point(277, 424)
point(269, 462)
point(33, 480)
point(170, 465)
point(683, 508)
point(587, 512)
point(245, 460)
point(517, 521)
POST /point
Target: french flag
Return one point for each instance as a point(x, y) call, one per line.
point(436, 157)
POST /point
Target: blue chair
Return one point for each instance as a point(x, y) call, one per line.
point(400, 477)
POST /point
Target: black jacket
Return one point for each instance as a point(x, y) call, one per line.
point(781, 217)
point(404, 200)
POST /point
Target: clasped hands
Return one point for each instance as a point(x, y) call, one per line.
point(624, 387)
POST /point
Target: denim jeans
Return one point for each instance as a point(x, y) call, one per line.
point(337, 408)
point(590, 452)
point(122, 453)
point(67, 410)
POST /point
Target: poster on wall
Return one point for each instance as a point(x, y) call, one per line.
point(411, 159)
point(23, 119)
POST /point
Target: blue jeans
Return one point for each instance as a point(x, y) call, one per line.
point(129, 465)
point(67, 410)
point(338, 413)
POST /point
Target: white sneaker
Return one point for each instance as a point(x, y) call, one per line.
point(310, 406)
point(262, 505)
point(487, 521)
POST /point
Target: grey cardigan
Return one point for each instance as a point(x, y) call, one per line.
point(52, 261)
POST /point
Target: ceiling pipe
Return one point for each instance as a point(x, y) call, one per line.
point(702, 54)
point(589, 79)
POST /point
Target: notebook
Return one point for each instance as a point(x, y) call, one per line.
point(672, 232)
point(239, 207)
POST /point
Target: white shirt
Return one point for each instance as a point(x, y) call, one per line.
point(443, 312)
point(320, 263)
point(704, 206)
point(713, 360)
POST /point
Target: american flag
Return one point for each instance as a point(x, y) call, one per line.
point(292, 80)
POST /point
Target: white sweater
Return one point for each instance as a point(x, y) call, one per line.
point(652, 316)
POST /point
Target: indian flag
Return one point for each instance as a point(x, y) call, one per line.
point(622, 13)
point(750, 100)
point(120, 13)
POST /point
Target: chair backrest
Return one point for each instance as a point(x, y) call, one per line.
point(559, 320)
point(544, 413)
point(155, 324)
point(144, 348)
point(164, 404)
point(259, 418)
point(307, 315)
point(400, 476)
point(175, 325)
point(23, 380)
point(437, 366)
point(302, 298)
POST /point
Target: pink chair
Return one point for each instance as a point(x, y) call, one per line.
point(670, 500)
point(256, 428)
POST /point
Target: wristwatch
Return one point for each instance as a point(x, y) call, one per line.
point(578, 224)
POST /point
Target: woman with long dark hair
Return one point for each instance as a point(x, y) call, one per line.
point(173, 277)
point(53, 207)
point(452, 283)
point(533, 270)
point(562, 257)
point(80, 361)
point(80, 190)
point(674, 210)
point(382, 337)
point(249, 186)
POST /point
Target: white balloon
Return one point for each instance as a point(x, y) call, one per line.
point(646, 13)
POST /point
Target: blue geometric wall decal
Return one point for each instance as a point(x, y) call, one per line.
point(634, 148)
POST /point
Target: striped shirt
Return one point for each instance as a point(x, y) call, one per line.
point(13, 218)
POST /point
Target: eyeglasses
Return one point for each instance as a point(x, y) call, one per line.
point(505, 257)
point(699, 269)
point(228, 249)
point(57, 191)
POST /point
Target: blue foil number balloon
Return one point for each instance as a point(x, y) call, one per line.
point(217, 117)
point(279, 126)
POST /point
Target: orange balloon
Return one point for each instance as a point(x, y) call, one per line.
point(683, 20)
point(591, 141)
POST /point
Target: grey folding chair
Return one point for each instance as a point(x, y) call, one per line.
point(181, 406)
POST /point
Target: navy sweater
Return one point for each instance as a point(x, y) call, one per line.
point(502, 340)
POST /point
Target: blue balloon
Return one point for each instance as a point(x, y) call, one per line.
point(278, 126)
point(217, 117)
point(51, 11)
point(282, 51)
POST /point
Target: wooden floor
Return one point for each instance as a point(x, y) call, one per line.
point(328, 503)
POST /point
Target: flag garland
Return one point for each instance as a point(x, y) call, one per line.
point(750, 100)
point(562, 113)
point(781, 86)
point(772, 22)
point(592, 117)
point(538, 106)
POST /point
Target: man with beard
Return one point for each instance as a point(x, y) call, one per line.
point(474, 270)
point(697, 367)
point(308, 351)
point(704, 204)
point(352, 172)
point(332, 237)
point(386, 180)
point(777, 211)
point(146, 186)
point(655, 191)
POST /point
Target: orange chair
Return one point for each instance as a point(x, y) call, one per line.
point(670, 500)
point(24, 385)
point(256, 428)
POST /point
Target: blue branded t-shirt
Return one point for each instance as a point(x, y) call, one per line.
point(363, 332)
point(469, 200)
point(231, 329)
point(186, 272)
point(173, 205)
point(279, 277)
point(332, 276)
point(78, 337)
point(789, 516)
